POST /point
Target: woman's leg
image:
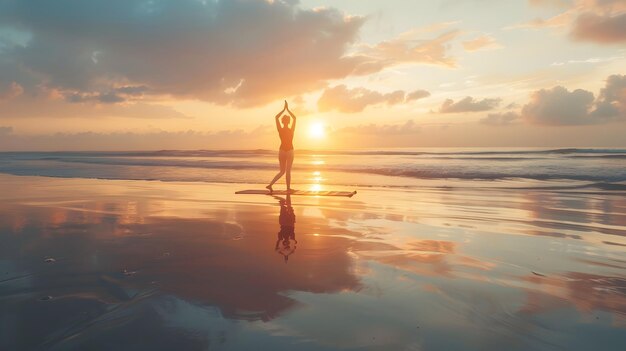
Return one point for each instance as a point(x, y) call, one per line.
point(289, 162)
point(282, 160)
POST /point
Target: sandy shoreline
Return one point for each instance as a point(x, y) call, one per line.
point(130, 264)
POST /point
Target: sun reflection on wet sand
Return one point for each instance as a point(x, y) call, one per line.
point(316, 182)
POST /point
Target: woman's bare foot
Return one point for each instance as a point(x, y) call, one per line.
point(269, 187)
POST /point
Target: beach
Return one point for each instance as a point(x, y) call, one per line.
point(338, 175)
point(433, 263)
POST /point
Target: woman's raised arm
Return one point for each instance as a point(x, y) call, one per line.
point(278, 116)
point(293, 126)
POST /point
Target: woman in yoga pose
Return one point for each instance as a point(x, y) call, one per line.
point(285, 152)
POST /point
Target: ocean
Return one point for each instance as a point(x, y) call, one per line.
point(566, 167)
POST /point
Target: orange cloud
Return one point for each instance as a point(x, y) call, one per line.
point(343, 99)
point(599, 21)
point(237, 52)
point(410, 48)
point(10, 91)
point(481, 42)
point(600, 28)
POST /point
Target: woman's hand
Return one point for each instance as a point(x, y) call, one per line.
point(286, 106)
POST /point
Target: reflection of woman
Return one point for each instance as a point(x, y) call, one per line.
point(287, 233)
point(285, 152)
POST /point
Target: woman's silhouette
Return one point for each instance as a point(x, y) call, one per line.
point(285, 152)
point(286, 242)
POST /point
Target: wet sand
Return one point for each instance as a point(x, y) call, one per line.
point(129, 265)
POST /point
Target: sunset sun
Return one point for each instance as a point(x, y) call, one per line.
point(317, 130)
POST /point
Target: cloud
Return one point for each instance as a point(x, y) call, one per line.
point(468, 104)
point(344, 99)
point(605, 29)
point(81, 106)
point(239, 52)
point(409, 127)
point(116, 95)
point(6, 130)
point(511, 106)
point(417, 94)
point(559, 106)
point(409, 47)
point(599, 21)
point(591, 60)
point(560, 20)
point(108, 98)
point(481, 42)
point(10, 90)
point(236, 51)
point(611, 103)
point(500, 119)
point(550, 3)
point(149, 140)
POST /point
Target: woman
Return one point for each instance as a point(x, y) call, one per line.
point(285, 152)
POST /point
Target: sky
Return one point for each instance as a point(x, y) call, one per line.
point(212, 74)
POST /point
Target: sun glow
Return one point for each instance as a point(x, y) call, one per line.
point(315, 187)
point(317, 130)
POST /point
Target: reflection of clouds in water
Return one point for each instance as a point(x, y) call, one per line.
point(568, 213)
point(448, 261)
point(203, 262)
point(586, 292)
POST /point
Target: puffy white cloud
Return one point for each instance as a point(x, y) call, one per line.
point(559, 106)
point(468, 104)
point(611, 103)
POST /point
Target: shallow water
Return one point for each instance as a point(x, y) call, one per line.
point(385, 167)
point(127, 265)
